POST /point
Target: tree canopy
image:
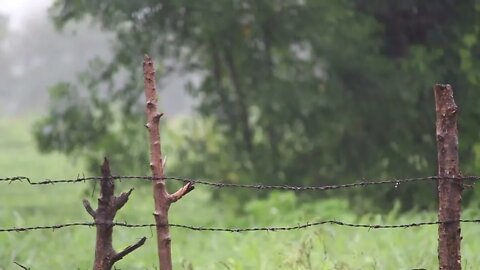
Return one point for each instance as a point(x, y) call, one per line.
point(303, 92)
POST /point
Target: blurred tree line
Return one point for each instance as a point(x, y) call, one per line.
point(292, 91)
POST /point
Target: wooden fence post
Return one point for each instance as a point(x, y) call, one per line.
point(108, 205)
point(161, 197)
point(449, 188)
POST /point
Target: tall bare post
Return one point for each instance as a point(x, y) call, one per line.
point(449, 188)
point(162, 198)
point(108, 205)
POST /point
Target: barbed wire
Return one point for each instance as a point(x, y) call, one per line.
point(220, 184)
point(238, 230)
point(360, 183)
point(14, 178)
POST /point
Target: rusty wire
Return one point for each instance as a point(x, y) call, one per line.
point(238, 230)
point(220, 184)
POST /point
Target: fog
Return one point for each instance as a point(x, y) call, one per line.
point(34, 56)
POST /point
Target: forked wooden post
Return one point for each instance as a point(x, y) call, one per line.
point(449, 188)
point(108, 205)
point(162, 198)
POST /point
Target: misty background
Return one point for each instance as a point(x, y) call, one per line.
point(284, 92)
point(34, 56)
point(291, 92)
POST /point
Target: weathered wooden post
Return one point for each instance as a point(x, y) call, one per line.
point(449, 187)
point(108, 205)
point(162, 198)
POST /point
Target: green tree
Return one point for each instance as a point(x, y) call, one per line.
point(304, 92)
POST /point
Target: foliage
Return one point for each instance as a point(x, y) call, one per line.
point(324, 247)
point(20, 157)
point(304, 92)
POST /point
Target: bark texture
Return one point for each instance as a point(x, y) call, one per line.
point(162, 198)
point(449, 188)
point(108, 205)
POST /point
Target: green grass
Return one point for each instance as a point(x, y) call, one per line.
point(324, 247)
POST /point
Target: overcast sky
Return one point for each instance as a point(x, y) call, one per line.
point(19, 10)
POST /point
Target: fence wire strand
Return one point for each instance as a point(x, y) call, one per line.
point(220, 184)
point(239, 230)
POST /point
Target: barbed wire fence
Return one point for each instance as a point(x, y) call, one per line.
point(363, 183)
point(221, 184)
point(449, 180)
point(396, 182)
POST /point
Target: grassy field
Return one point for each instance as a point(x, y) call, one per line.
point(324, 247)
